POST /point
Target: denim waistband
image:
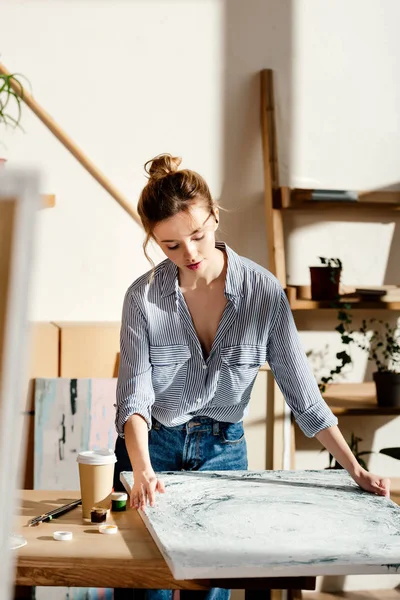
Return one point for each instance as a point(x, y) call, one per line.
point(194, 424)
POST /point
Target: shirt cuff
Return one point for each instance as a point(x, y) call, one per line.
point(123, 415)
point(315, 419)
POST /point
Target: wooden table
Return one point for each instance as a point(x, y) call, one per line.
point(129, 559)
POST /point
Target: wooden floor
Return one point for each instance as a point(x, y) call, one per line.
point(373, 595)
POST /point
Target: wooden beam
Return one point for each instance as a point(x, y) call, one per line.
point(275, 237)
point(70, 145)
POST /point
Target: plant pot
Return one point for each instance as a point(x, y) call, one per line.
point(387, 388)
point(325, 282)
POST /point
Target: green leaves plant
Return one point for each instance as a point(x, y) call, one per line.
point(10, 100)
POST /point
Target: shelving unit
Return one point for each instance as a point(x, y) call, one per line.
point(355, 399)
point(344, 399)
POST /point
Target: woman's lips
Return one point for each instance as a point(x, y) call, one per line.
point(195, 266)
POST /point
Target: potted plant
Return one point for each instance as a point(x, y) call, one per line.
point(381, 342)
point(353, 445)
point(325, 279)
point(10, 103)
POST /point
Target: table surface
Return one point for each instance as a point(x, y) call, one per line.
point(129, 559)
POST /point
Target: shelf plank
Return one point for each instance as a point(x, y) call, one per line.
point(48, 200)
point(393, 594)
point(302, 304)
point(355, 399)
point(299, 299)
point(299, 199)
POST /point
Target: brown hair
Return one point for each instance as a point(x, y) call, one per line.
point(169, 192)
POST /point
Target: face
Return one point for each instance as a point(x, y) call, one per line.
point(188, 238)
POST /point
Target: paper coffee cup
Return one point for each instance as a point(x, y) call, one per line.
point(96, 474)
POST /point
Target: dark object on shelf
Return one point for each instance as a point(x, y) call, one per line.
point(325, 279)
point(325, 282)
point(334, 195)
point(387, 388)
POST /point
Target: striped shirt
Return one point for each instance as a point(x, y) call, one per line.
point(163, 372)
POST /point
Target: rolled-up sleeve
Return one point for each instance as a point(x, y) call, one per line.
point(135, 394)
point(293, 374)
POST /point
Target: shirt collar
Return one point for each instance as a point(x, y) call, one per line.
point(234, 274)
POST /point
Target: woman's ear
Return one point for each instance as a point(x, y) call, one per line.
point(216, 216)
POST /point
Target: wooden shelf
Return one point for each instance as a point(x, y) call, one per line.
point(298, 199)
point(298, 301)
point(48, 200)
point(393, 594)
point(355, 399)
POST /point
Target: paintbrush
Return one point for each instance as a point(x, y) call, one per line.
point(53, 514)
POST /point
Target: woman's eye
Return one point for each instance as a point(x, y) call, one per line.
point(172, 247)
point(198, 238)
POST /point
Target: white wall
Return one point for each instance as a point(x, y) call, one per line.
point(126, 80)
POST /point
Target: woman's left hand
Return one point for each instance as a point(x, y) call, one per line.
point(373, 483)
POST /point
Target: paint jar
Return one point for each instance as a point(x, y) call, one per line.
point(118, 501)
point(96, 474)
point(98, 514)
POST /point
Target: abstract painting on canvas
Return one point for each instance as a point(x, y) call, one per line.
point(70, 415)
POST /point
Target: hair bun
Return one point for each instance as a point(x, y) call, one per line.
point(162, 165)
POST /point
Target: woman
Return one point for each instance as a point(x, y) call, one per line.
point(195, 330)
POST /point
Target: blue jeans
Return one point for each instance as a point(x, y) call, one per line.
point(202, 444)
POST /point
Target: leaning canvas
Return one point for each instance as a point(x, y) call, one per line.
point(272, 523)
point(70, 415)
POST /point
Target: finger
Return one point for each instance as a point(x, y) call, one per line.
point(384, 485)
point(160, 486)
point(151, 494)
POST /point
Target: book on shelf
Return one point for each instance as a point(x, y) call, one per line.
point(385, 293)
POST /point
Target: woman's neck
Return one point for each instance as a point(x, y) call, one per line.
point(214, 274)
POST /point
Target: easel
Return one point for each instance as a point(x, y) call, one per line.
point(19, 200)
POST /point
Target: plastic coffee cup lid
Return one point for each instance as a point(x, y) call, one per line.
point(62, 536)
point(104, 456)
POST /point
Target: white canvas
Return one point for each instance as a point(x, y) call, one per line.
point(272, 524)
point(21, 189)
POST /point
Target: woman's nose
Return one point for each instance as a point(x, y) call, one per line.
point(189, 251)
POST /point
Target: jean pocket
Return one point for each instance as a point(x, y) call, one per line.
point(231, 433)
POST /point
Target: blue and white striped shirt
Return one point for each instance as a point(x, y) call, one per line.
point(163, 372)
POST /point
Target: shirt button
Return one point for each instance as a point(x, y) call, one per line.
point(204, 367)
point(198, 400)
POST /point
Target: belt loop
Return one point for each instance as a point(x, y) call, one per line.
point(216, 428)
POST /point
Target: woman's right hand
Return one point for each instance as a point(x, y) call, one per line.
point(146, 484)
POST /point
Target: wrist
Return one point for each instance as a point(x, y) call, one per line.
point(356, 470)
point(143, 468)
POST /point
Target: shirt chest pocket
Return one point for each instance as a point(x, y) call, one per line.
point(169, 368)
point(244, 356)
point(239, 368)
